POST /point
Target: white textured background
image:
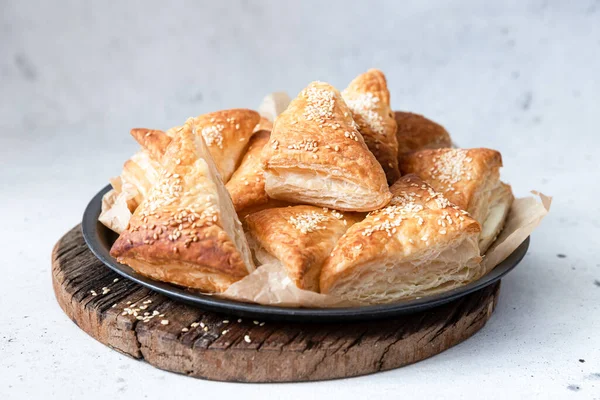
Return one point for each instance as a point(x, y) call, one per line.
point(522, 77)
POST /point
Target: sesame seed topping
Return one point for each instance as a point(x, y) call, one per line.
point(306, 145)
point(451, 167)
point(319, 105)
point(213, 135)
point(364, 109)
point(351, 135)
point(164, 322)
point(307, 222)
point(247, 339)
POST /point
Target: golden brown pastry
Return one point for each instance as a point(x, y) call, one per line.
point(317, 156)
point(264, 125)
point(369, 99)
point(415, 132)
point(247, 184)
point(139, 174)
point(226, 134)
point(154, 141)
point(300, 237)
point(186, 231)
point(470, 178)
point(418, 245)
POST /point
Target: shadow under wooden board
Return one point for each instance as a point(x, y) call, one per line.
point(176, 337)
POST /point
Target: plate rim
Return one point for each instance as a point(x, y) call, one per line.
point(91, 234)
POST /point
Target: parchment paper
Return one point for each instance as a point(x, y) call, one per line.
point(270, 285)
point(115, 212)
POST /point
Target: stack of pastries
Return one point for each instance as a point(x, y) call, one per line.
point(351, 198)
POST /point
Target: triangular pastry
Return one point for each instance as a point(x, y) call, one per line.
point(186, 231)
point(139, 174)
point(226, 134)
point(317, 156)
point(470, 178)
point(154, 141)
point(247, 184)
point(415, 132)
point(300, 237)
point(418, 245)
point(369, 99)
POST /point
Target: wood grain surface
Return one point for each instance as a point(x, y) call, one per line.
point(180, 338)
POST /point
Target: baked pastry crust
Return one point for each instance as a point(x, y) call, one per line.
point(317, 156)
point(226, 133)
point(418, 245)
point(264, 125)
point(139, 174)
point(369, 99)
point(470, 178)
point(300, 237)
point(415, 132)
point(247, 184)
point(154, 141)
point(186, 231)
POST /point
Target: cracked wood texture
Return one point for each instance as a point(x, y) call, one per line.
point(194, 342)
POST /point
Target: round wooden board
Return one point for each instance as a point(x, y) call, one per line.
point(187, 340)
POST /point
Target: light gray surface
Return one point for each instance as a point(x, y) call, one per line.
point(522, 77)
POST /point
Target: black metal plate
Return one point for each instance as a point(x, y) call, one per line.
point(100, 239)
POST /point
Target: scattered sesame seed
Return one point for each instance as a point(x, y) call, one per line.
point(164, 322)
point(184, 329)
point(247, 339)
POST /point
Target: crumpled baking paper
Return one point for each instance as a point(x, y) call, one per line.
point(270, 285)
